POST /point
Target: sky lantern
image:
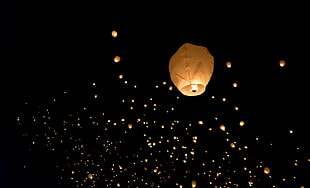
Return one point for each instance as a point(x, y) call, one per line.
point(266, 170)
point(282, 63)
point(90, 176)
point(117, 59)
point(191, 68)
point(194, 184)
point(222, 127)
point(228, 64)
point(114, 33)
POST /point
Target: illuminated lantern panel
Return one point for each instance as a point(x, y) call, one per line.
point(191, 68)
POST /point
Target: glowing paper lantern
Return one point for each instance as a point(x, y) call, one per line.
point(191, 68)
point(194, 184)
point(114, 33)
point(282, 63)
point(117, 59)
point(222, 127)
point(228, 64)
point(90, 176)
point(266, 170)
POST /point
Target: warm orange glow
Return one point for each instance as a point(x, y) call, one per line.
point(232, 145)
point(241, 123)
point(222, 127)
point(282, 63)
point(114, 33)
point(130, 126)
point(266, 170)
point(117, 59)
point(90, 176)
point(194, 184)
point(228, 64)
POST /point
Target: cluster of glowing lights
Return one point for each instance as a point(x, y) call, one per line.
point(127, 151)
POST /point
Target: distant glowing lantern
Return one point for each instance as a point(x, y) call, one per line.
point(117, 59)
point(194, 184)
point(282, 63)
point(232, 145)
point(114, 33)
point(266, 170)
point(130, 126)
point(241, 123)
point(90, 176)
point(222, 127)
point(191, 68)
point(228, 64)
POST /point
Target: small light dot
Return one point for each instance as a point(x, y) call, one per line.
point(114, 33)
point(222, 127)
point(117, 59)
point(232, 145)
point(241, 123)
point(266, 170)
point(121, 76)
point(282, 63)
point(228, 64)
point(235, 84)
point(90, 176)
point(291, 131)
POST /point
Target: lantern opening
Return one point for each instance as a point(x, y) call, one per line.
point(194, 88)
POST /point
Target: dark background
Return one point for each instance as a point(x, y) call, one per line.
point(49, 46)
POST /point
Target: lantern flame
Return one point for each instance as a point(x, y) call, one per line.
point(194, 88)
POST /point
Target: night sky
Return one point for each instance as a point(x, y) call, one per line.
point(73, 117)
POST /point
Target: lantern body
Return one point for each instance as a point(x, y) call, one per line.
point(191, 68)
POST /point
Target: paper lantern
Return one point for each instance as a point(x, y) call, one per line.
point(282, 63)
point(90, 176)
point(266, 170)
point(117, 59)
point(194, 184)
point(114, 33)
point(191, 68)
